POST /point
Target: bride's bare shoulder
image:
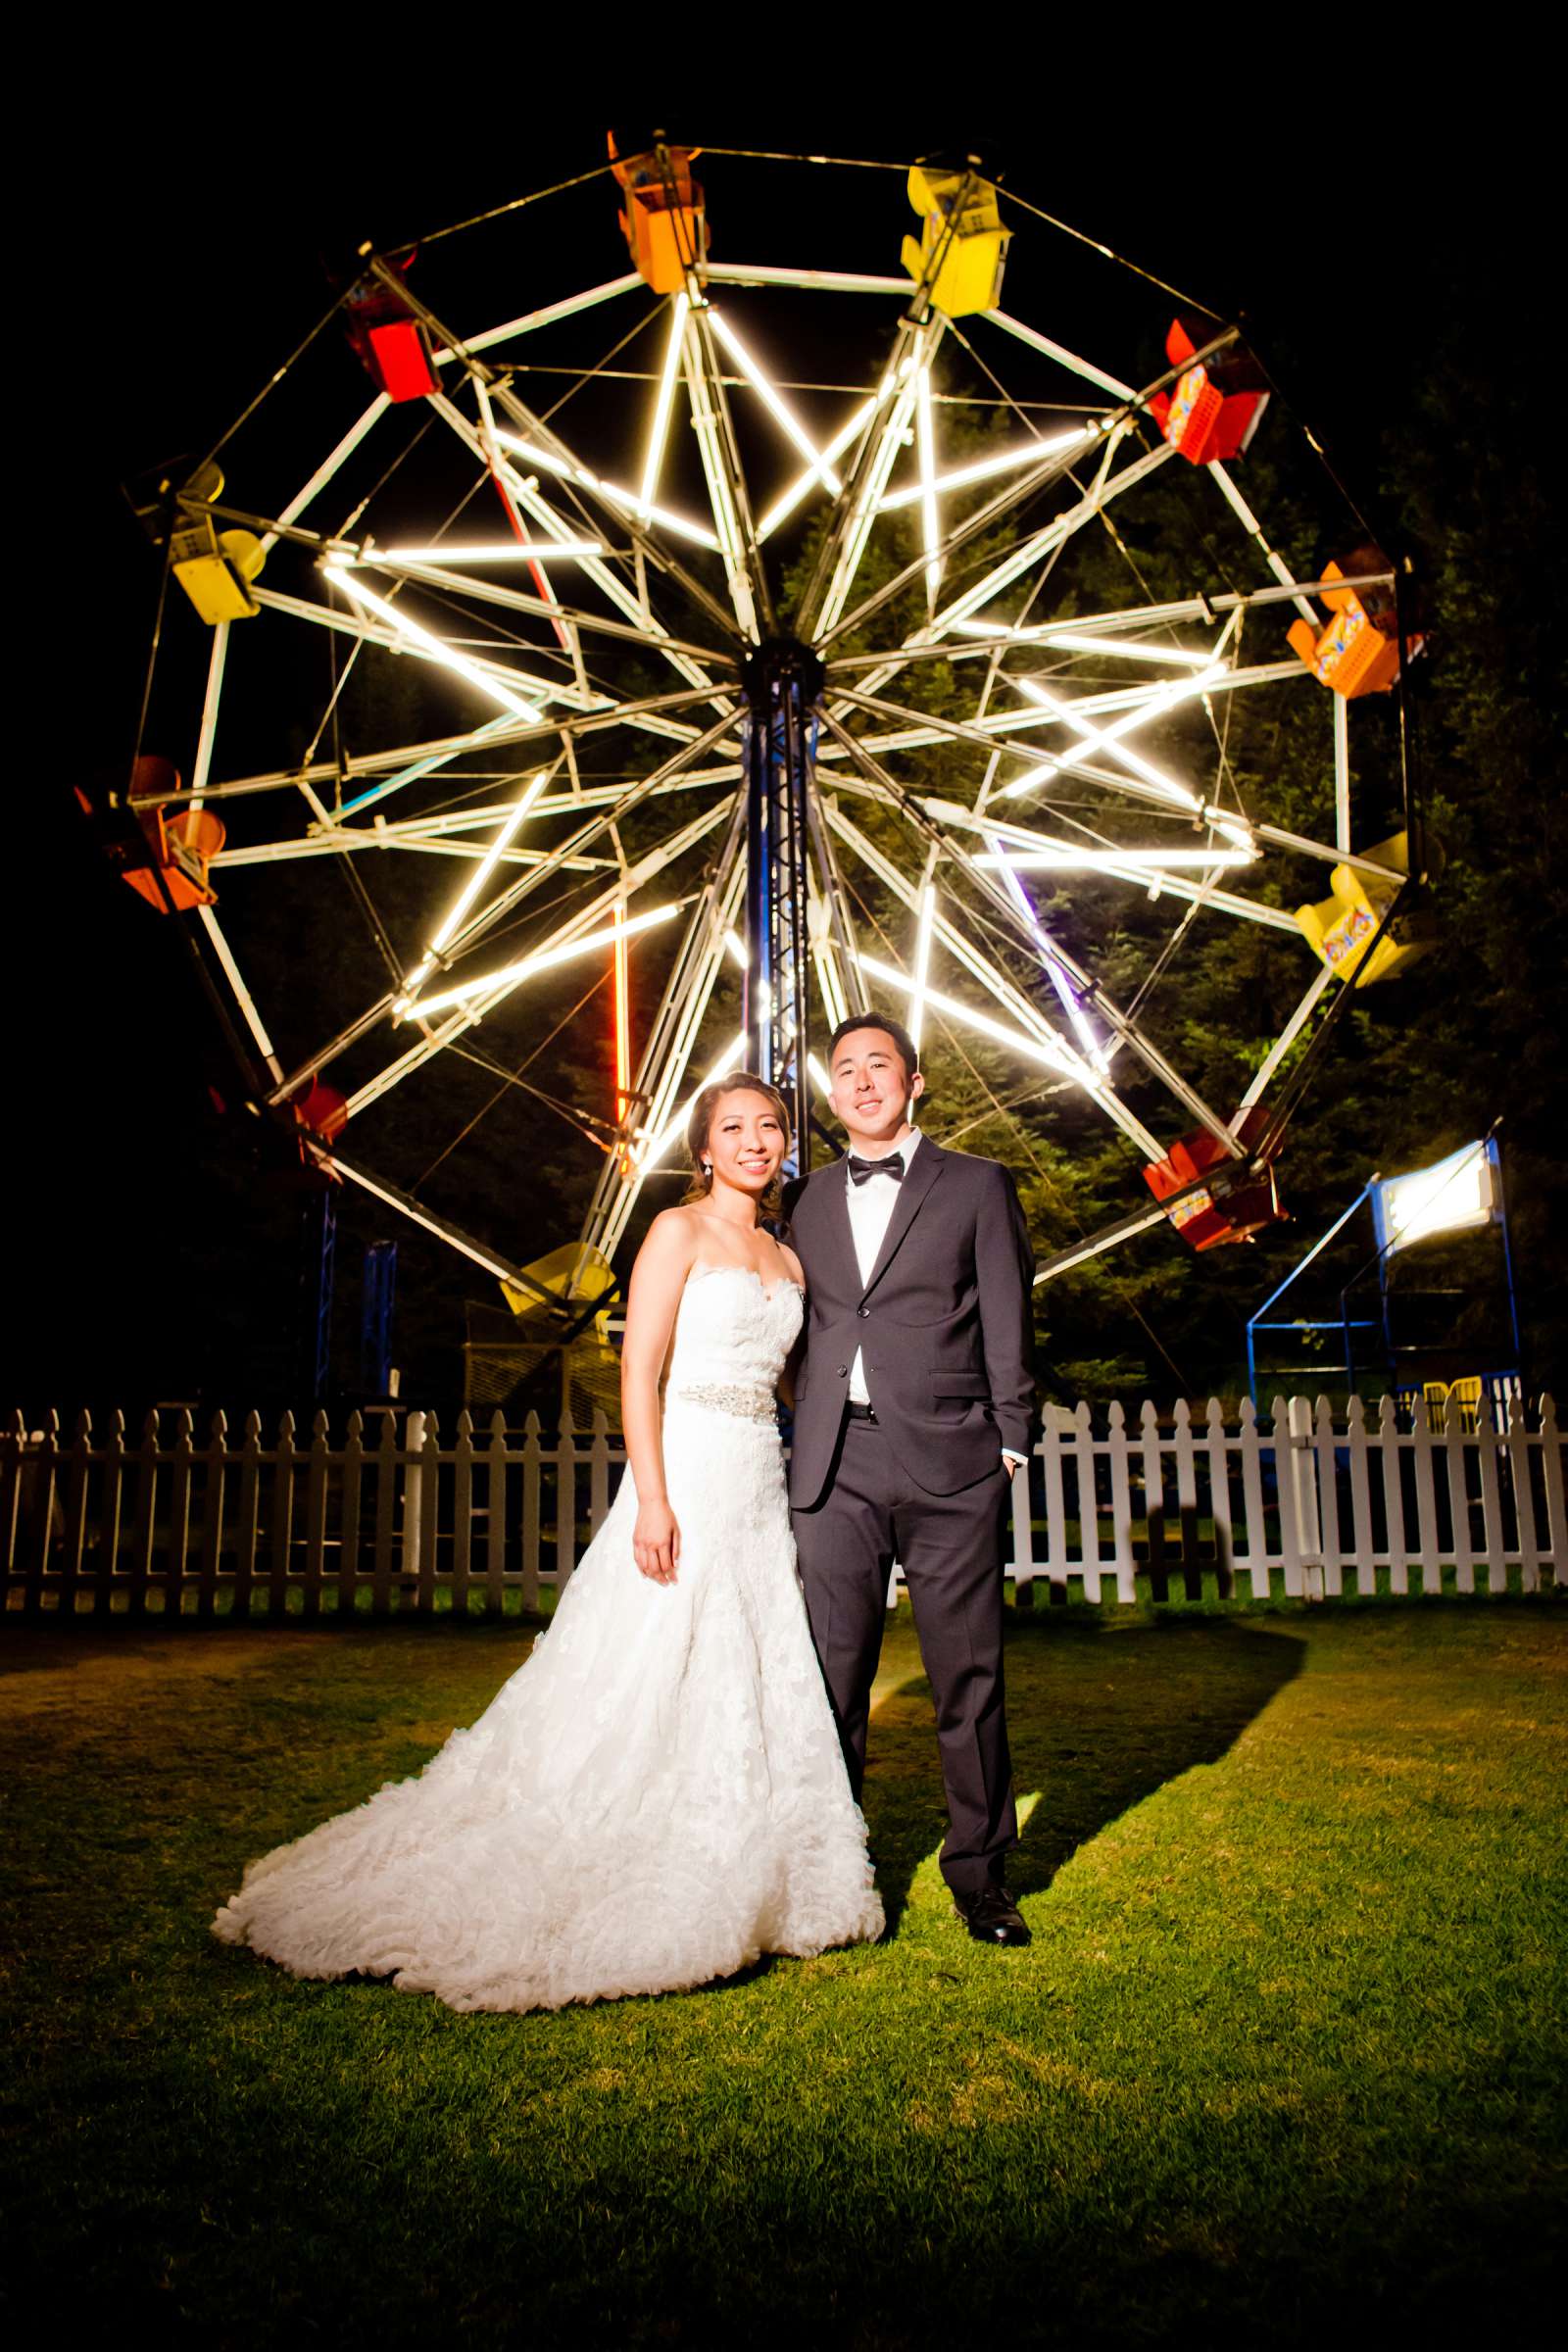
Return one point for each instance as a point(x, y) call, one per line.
point(670, 1241)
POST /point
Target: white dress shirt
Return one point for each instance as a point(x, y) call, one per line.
point(871, 1207)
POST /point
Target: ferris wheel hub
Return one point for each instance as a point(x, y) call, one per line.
point(779, 664)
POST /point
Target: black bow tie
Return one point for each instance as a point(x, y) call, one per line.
point(860, 1169)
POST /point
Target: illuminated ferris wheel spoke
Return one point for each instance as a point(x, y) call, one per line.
point(329, 469)
point(407, 760)
point(850, 530)
point(492, 592)
point(543, 447)
point(1052, 464)
point(990, 975)
point(1161, 871)
point(551, 315)
point(1062, 356)
point(1125, 1027)
point(596, 914)
point(722, 471)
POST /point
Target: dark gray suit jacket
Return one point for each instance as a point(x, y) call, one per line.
point(944, 1322)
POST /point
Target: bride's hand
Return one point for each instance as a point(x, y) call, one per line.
point(655, 1542)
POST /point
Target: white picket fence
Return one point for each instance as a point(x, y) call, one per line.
point(1291, 1503)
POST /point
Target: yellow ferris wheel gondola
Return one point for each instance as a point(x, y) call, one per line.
point(959, 221)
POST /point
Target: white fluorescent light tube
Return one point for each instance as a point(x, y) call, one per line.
point(776, 407)
point(1080, 641)
point(996, 628)
point(653, 1153)
point(1055, 972)
point(1107, 860)
point(1005, 460)
point(429, 643)
point(1052, 1058)
point(1108, 739)
point(737, 952)
point(499, 551)
point(528, 965)
point(616, 492)
point(785, 505)
point(922, 962)
point(820, 1077)
point(487, 864)
point(666, 393)
point(930, 526)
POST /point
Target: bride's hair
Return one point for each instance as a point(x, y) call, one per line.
point(700, 1124)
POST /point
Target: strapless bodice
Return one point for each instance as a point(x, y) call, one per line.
point(732, 1335)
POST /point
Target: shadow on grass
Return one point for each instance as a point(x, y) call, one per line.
point(1100, 1717)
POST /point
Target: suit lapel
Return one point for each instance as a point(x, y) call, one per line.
point(826, 1201)
point(920, 1175)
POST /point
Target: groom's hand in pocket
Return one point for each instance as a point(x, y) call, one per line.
point(655, 1542)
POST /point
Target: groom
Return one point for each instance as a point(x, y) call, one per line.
point(913, 1399)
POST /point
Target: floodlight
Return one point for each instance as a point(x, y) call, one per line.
point(1455, 1195)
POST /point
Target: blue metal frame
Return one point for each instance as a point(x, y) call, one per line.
point(1348, 1324)
point(783, 681)
point(318, 1266)
point(378, 1296)
point(1340, 1322)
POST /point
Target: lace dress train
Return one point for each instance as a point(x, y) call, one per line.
point(657, 1797)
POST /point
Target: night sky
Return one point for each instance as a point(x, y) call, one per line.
point(181, 266)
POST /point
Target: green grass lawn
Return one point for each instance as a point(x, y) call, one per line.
point(1288, 2053)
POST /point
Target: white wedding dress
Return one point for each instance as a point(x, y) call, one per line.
point(657, 1797)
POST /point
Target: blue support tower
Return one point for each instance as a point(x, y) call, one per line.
point(317, 1265)
point(378, 1296)
point(783, 682)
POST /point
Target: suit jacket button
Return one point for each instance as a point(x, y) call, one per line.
point(844, 1371)
point(863, 1312)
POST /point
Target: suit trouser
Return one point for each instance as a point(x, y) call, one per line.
point(871, 1514)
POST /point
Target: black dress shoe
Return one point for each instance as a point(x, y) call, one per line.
point(990, 1916)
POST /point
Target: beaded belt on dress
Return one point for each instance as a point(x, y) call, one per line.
point(728, 1396)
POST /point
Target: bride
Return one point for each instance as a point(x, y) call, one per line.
point(657, 1796)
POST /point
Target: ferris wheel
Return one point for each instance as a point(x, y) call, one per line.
point(680, 611)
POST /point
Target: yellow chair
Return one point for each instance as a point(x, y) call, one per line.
point(1339, 928)
point(969, 273)
point(1435, 1394)
point(215, 568)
